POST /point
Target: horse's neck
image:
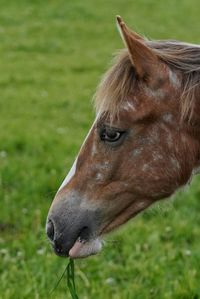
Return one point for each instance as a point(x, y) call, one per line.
point(193, 130)
point(196, 145)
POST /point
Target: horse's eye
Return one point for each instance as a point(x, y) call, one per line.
point(110, 135)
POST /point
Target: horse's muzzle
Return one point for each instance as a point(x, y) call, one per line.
point(63, 238)
point(70, 225)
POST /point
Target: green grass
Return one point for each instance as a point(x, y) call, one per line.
point(52, 55)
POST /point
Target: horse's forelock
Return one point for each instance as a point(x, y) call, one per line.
point(115, 86)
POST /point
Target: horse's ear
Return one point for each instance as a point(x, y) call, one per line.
point(145, 61)
point(134, 34)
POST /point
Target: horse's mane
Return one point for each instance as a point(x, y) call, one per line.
point(118, 82)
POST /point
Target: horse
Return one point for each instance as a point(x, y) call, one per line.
point(144, 143)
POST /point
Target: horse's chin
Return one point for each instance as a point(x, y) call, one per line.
point(82, 249)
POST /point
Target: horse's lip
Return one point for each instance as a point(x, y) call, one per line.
point(85, 248)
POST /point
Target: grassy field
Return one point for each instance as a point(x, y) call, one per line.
point(52, 56)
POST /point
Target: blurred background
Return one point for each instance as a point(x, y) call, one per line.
point(52, 54)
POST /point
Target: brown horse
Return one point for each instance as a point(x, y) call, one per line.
point(144, 143)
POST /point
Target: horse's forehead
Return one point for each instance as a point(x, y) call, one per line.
point(145, 100)
point(161, 100)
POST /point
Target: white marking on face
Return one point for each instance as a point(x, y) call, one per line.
point(73, 169)
point(102, 170)
point(156, 94)
point(102, 167)
point(175, 163)
point(155, 134)
point(174, 79)
point(94, 149)
point(137, 152)
point(169, 140)
point(168, 117)
point(99, 176)
point(69, 176)
point(128, 106)
point(157, 156)
point(145, 167)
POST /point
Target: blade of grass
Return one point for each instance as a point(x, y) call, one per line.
point(57, 284)
point(69, 270)
point(71, 280)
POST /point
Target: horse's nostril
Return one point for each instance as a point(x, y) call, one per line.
point(58, 247)
point(50, 230)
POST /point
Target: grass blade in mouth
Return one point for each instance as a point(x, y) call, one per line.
point(71, 280)
point(57, 284)
point(69, 270)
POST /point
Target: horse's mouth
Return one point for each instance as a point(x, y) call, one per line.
point(83, 248)
point(87, 242)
